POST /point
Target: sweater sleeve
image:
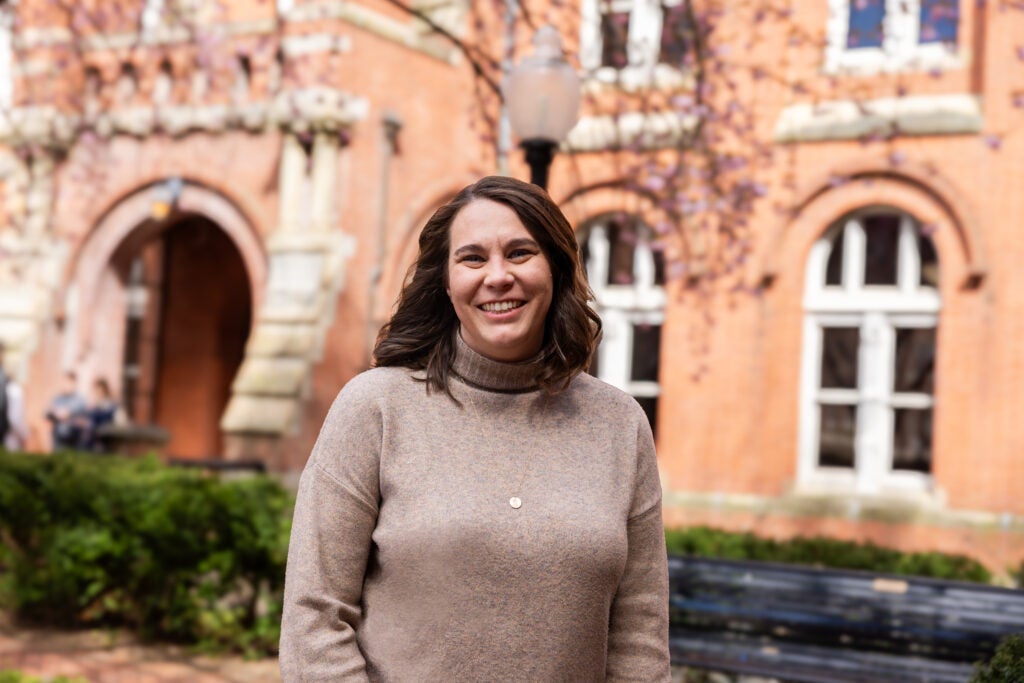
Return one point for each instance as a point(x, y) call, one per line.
point(638, 628)
point(335, 514)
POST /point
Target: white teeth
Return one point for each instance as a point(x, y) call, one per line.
point(501, 306)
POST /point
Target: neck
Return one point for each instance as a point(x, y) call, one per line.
point(492, 375)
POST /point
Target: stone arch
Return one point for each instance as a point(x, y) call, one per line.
point(402, 249)
point(927, 197)
point(584, 203)
point(97, 296)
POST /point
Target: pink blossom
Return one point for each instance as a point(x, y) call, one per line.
point(655, 183)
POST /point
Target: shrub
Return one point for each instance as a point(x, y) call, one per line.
point(174, 554)
point(8, 676)
point(1006, 665)
point(823, 552)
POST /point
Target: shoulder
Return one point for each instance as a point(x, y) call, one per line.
point(376, 380)
point(604, 397)
point(606, 408)
point(374, 388)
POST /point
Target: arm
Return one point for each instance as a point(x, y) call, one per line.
point(335, 514)
point(18, 434)
point(638, 628)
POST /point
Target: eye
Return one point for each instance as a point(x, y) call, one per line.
point(520, 254)
point(470, 258)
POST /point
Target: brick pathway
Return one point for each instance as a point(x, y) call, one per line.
point(102, 657)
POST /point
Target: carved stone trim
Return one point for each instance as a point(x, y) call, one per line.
point(310, 109)
point(646, 131)
point(851, 120)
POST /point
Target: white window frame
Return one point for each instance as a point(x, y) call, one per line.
point(622, 307)
point(900, 50)
point(152, 15)
point(7, 60)
point(877, 311)
point(643, 49)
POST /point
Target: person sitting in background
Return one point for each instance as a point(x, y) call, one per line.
point(67, 415)
point(13, 430)
point(104, 410)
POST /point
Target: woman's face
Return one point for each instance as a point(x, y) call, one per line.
point(499, 281)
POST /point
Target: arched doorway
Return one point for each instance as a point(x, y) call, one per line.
point(162, 308)
point(188, 318)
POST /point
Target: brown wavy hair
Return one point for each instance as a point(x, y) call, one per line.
point(421, 333)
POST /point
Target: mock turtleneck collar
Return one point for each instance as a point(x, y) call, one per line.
point(493, 375)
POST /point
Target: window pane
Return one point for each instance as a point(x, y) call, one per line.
point(882, 234)
point(659, 266)
point(834, 269)
point(650, 406)
point(646, 353)
point(676, 33)
point(929, 262)
point(912, 449)
point(939, 20)
point(915, 361)
point(866, 20)
point(839, 357)
point(838, 429)
point(585, 251)
point(622, 242)
point(614, 39)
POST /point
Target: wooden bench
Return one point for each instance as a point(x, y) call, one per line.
point(809, 625)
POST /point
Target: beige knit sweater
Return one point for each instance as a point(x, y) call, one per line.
point(407, 562)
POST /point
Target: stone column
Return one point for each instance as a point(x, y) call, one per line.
point(31, 259)
point(307, 254)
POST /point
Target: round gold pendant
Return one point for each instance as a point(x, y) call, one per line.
point(515, 502)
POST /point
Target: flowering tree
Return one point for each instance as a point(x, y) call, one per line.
point(689, 100)
point(683, 100)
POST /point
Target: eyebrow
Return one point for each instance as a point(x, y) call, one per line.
point(513, 244)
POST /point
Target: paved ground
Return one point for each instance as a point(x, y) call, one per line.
point(106, 657)
point(102, 657)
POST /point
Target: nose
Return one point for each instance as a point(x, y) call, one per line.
point(498, 273)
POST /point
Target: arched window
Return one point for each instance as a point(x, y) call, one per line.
point(627, 275)
point(871, 313)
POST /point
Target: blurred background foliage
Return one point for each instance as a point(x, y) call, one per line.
point(172, 554)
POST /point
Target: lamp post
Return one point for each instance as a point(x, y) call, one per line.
point(543, 97)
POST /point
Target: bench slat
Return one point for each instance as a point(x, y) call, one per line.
point(791, 621)
point(809, 664)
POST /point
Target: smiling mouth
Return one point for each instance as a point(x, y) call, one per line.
point(502, 306)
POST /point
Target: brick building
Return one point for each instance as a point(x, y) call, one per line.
point(215, 211)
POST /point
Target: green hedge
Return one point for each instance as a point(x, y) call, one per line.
point(8, 676)
point(823, 552)
point(1006, 665)
point(173, 554)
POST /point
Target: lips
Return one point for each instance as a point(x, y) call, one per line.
point(502, 306)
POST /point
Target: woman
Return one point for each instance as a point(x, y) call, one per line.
point(103, 410)
point(476, 507)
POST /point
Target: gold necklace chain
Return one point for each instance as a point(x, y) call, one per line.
point(515, 501)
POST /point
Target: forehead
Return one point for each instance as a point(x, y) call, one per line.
point(484, 221)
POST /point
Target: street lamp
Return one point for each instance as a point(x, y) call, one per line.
point(543, 97)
